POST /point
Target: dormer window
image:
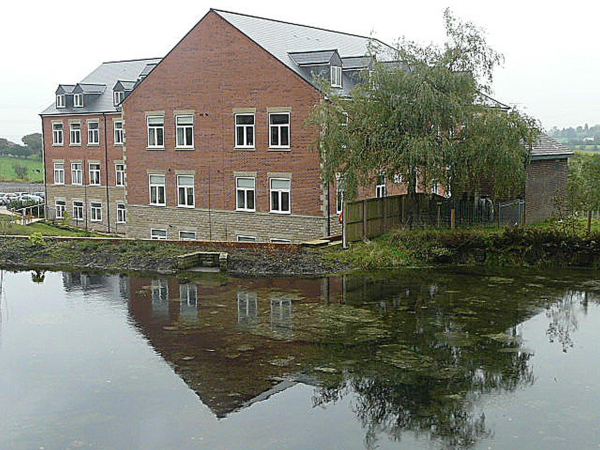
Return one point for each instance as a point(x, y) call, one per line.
point(78, 100)
point(60, 100)
point(336, 76)
point(118, 97)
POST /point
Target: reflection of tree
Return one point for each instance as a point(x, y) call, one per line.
point(563, 315)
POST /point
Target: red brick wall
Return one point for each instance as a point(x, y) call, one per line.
point(213, 70)
point(545, 180)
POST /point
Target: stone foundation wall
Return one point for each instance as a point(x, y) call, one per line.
point(219, 225)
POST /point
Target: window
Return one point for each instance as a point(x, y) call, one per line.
point(120, 175)
point(96, 212)
point(158, 234)
point(57, 134)
point(246, 239)
point(93, 133)
point(336, 76)
point(244, 130)
point(75, 134)
point(121, 213)
point(279, 130)
point(60, 100)
point(185, 131)
point(119, 133)
point(156, 132)
point(280, 241)
point(76, 173)
point(380, 188)
point(78, 210)
point(280, 195)
point(94, 174)
point(185, 190)
point(118, 97)
point(187, 235)
point(157, 190)
point(78, 100)
point(60, 206)
point(59, 173)
point(245, 194)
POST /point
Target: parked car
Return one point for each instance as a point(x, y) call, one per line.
point(39, 194)
point(5, 199)
point(30, 198)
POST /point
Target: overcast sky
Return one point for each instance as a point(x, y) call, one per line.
point(551, 48)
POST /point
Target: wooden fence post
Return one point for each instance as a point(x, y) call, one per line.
point(364, 202)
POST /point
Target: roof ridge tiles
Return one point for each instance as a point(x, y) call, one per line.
point(130, 60)
point(295, 24)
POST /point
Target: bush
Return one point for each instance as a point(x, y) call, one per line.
point(20, 170)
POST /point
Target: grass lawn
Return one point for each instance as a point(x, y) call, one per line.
point(35, 174)
point(7, 227)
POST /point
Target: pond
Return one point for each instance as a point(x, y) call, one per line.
point(420, 359)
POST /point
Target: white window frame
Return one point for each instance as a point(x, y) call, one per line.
point(280, 241)
point(78, 208)
point(121, 213)
point(119, 132)
point(58, 134)
point(119, 174)
point(381, 187)
point(245, 238)
point(336, 76)
point(156, 130)
point(78, 100)
point(184, 191)
point(247, 130)
point(181, 238)
point(155, 189)
point(77, 173)
point(279, 128)
point(157, 234)
point(61, 208)
point(184, 127)
point(59, 173)
point(245, 191)
point(118, 97)
point(75, 133)
point(93, 133)
point(94, 173)
point(95, 212)
point(60, 101)
point(280, 192)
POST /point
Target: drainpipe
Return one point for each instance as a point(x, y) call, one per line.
point(44, 169)
point(328, 209)
point(106, 174)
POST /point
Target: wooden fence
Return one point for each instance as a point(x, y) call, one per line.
point(375, 216)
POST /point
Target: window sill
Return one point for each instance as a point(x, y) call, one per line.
point(119, 144)
point(74, 145)
point(186, 206)
point(279, 149)
point(155, 149)
point(250, 149)
point(58, 145)
point(184, 149)
point(93, 145)
point(158, 204)
point(284, 213)
point(246, 210)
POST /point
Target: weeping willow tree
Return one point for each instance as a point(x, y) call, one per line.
point(424, 113)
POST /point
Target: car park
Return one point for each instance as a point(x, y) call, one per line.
point(30, 198)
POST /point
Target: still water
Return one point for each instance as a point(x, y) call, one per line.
point(411, 360)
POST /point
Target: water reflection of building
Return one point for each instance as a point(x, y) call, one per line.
point(91, 282)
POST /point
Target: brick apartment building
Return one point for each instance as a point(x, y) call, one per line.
point(217, 146)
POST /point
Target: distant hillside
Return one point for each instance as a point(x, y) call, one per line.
point(584, 137)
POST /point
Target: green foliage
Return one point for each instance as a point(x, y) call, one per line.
point(584, 183)
point(37, 240)
point(426, 117)
point(33, 142)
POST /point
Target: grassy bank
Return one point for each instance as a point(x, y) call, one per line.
point(540, 245)
point(35, 169)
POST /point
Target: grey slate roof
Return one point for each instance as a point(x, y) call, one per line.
point(282, 38)
point(99, 85)
point(548, 148)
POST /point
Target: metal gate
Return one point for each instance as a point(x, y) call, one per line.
point(511, 213)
